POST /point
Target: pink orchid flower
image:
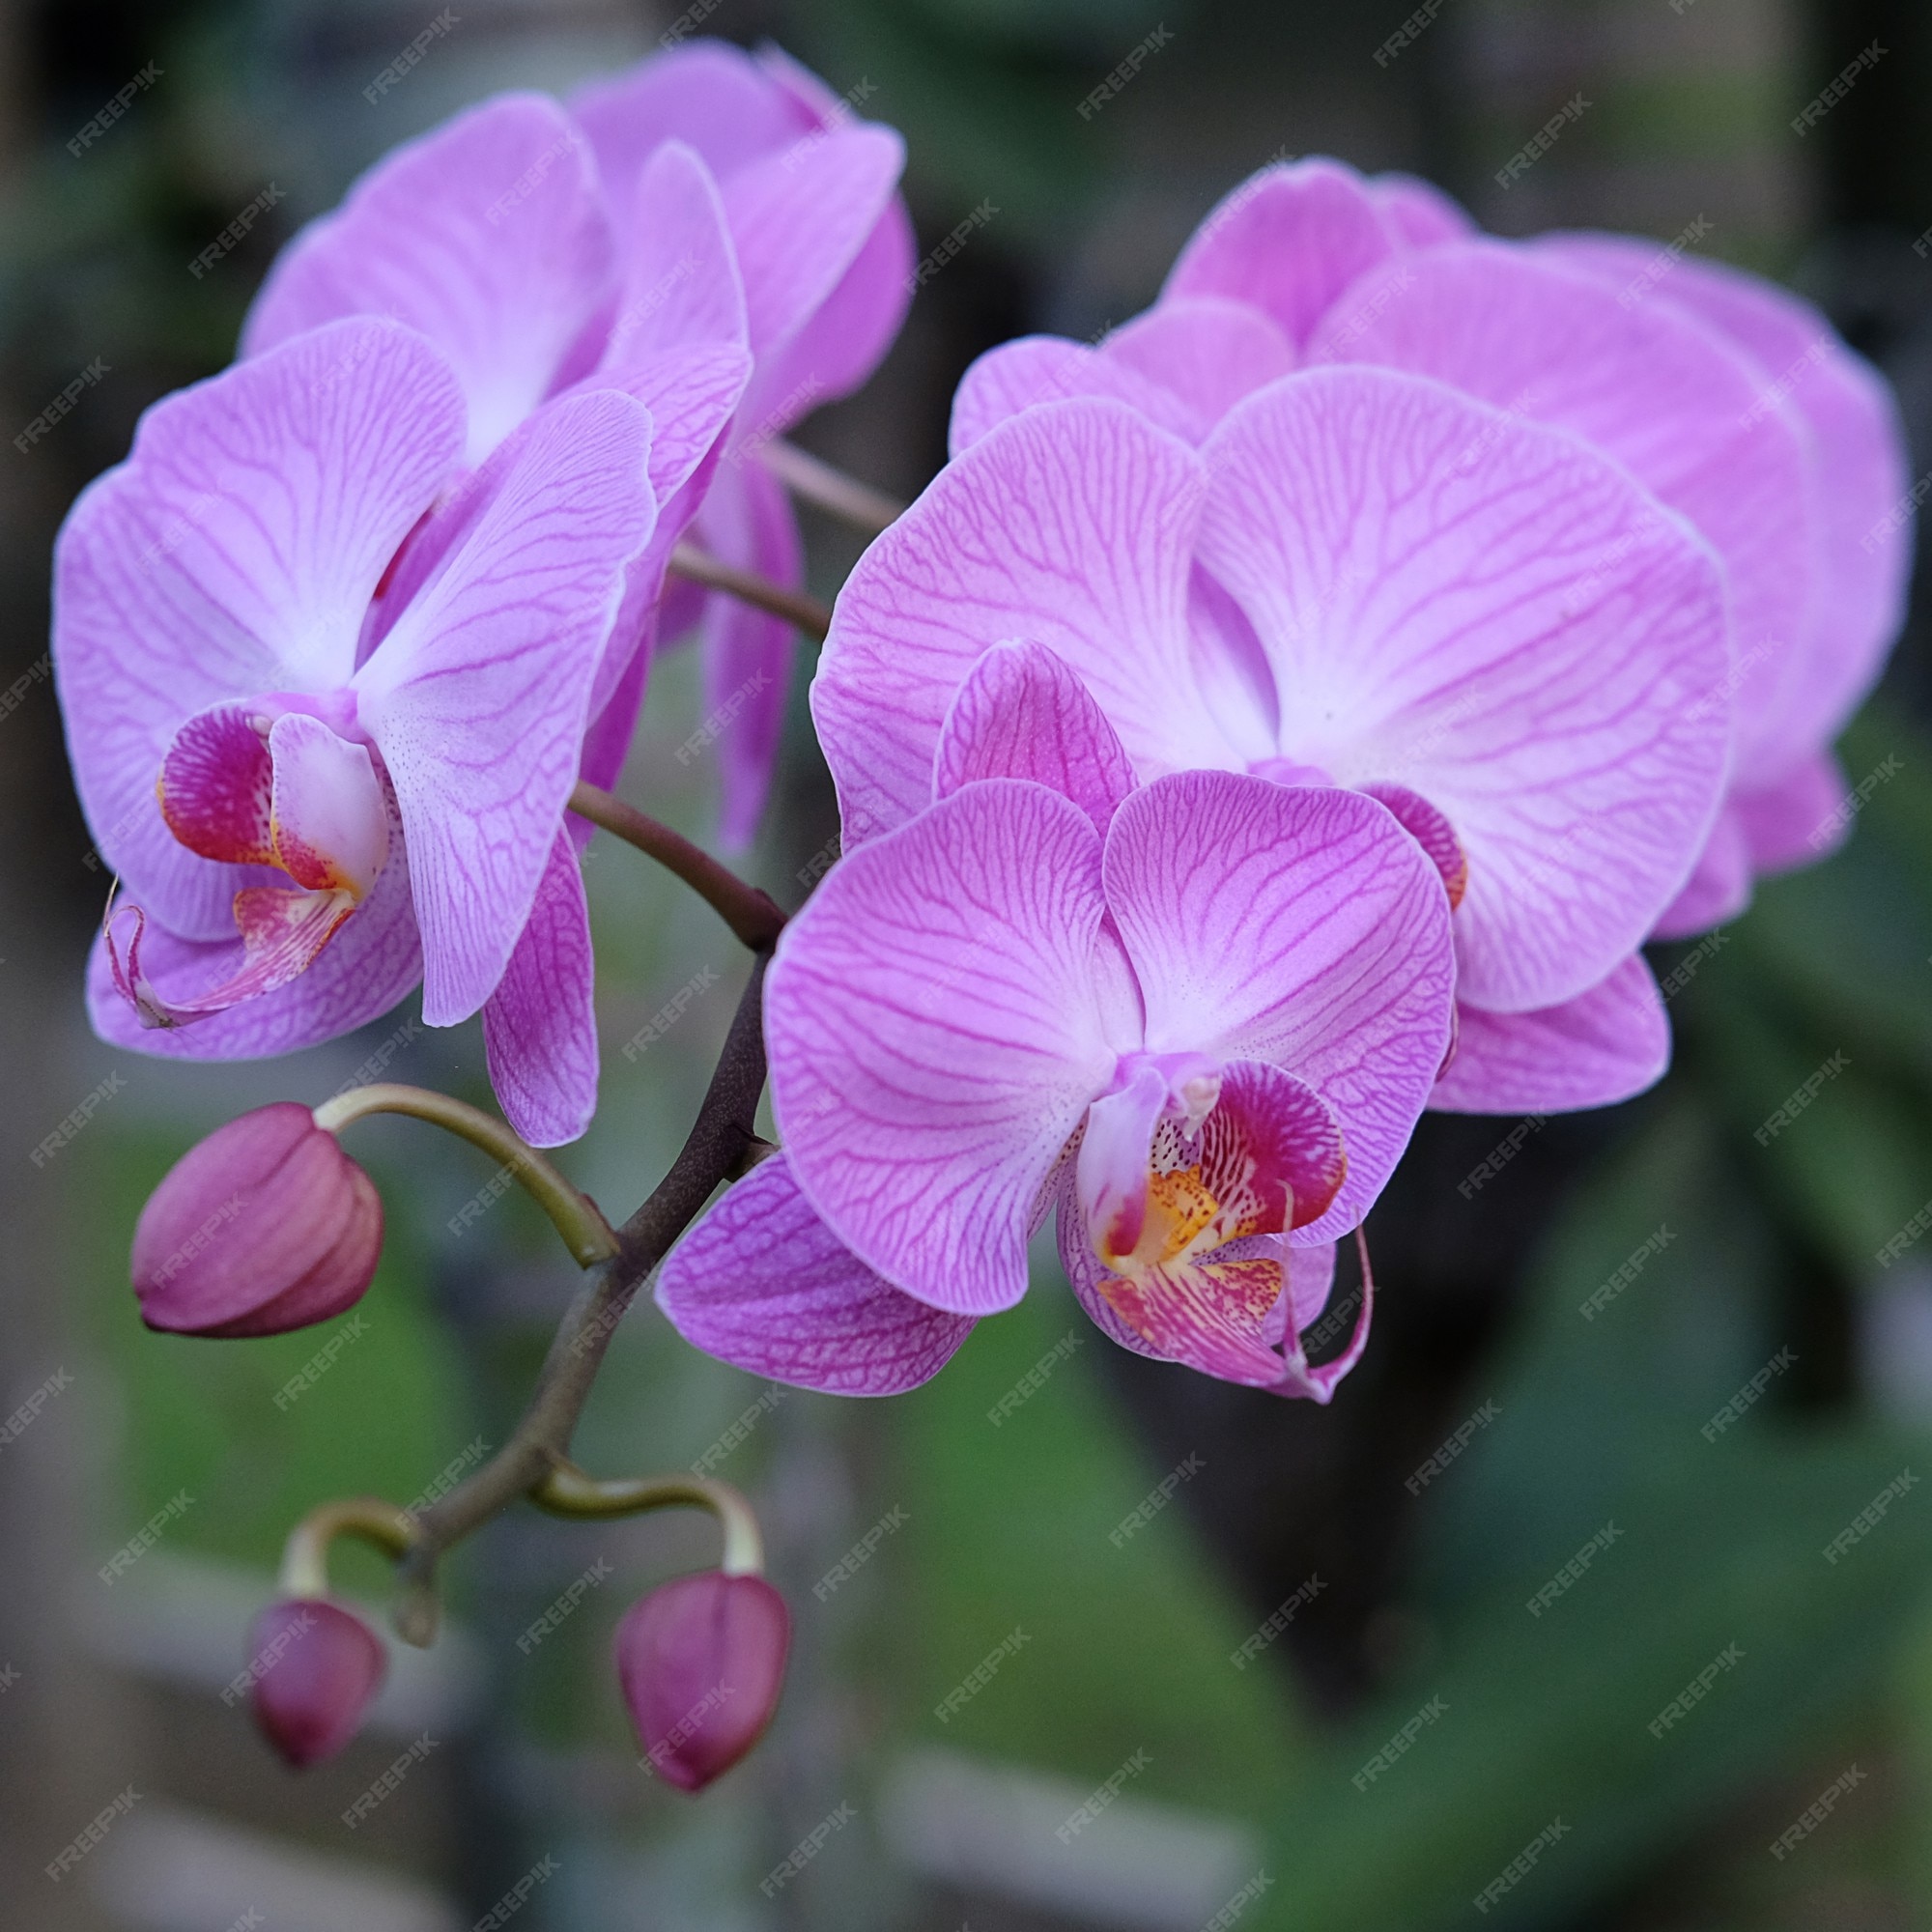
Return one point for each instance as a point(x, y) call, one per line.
point(1201, 1018)
point(1359, 578)
point(314, 802)
point(1734, 402)
point(711, 233)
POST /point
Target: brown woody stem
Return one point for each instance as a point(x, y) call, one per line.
point(807, 614)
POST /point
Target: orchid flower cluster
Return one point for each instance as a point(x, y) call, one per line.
point(1293, 713)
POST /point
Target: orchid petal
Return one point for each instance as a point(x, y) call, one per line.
point(478, 696)
point(1497, 617)
point(233, 553)
point(1719, 884)
point(1021, 714)
point(1296, 925)
point(1418, 211)
point(1047, 369)
point(1643, 382)
point(540, 1024)
point(1286, 241)
point(487, 235)
point(1208, 351)
point(936, 1027)
point(1068, 527)
point(330, 822)
point(1603, 1046)
point(763, 1282)
point(1797, 820)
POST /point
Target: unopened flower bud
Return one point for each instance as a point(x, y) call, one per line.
point(265, 1226)
point(701, 1660)
point(315, 1669)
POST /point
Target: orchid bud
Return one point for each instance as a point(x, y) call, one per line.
point(265, 1226)
point(315, 1667)
point(701, 1660)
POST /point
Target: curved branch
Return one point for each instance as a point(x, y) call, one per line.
point(750, 914)
point(720, 1138)
point(807, 613)
point(813, 480)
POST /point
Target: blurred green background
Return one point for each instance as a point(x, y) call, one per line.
point(1229, 1785)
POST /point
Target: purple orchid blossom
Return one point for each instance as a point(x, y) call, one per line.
point(315, 798)
point(1199, 1017)
point(1359, 578)
point(1736, 402)
point(711, 233)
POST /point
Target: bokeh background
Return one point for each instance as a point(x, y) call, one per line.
point(1310, 1593)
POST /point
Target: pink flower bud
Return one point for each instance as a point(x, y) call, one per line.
point(315, 1669)
point(265, 1226)
point(701, 1660)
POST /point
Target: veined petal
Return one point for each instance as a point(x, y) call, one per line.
point(1429, 830)
point(1204, 349)
point(1498, 618)
point(235, 552)
point(938, 1022)
point(763, 1282)
point(1022, 714)
point(1112, 1171)
point(1286, 241)
point(1603, 1046)
point(216, 785)
point(1069, 526)
point(487, 236)
point(540, 1024)
point(478, 697)
point(1296, 925)
point(1646, 383)
point(1205, 1313)
point(1049, 369)
point(747, 521)
point(706, 92)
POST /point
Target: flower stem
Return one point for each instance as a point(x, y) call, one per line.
point(720, 1138)
point(575, 1216)
point(305, 1555)
point(816, 481)
point(750, 913)
point(566, 1490)
point(807, 614)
